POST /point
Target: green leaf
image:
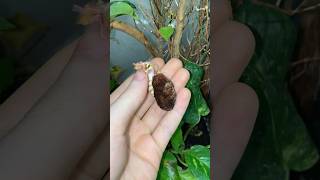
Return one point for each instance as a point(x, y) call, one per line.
point(116, 72)
point(262, 159)
point(5, 24)
point(198, 106)
point(120, 8)
point(186, 175)
point(113, 85)
point(280, 141)
point(125, 1)
point(177, 140)
point(166, 32)
point(198, 161)
point(168, 168)
point(6, 74)
point(299, 152)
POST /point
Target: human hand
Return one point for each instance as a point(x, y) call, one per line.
point(139, 129)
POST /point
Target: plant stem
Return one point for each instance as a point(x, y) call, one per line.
point(188, 132)
point(181, 161)
point(138, 35)
point(179, 29)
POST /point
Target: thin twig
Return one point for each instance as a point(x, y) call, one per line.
point(305, 60)
point(310, 8)
point(298, 75)
point(205, 64)
point(138, 35)
point(179, 28)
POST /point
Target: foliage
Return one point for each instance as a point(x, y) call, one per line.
point(166, 32)
point(18, 40)
point(115, 72)
point(280, 141)
point(198, 106)
point(6, 73)
point(177, 142)
point(5, 24)
point(113, 85)
point(197, 160)
point(120, 8)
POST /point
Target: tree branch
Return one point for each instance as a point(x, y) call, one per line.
point(138, 35)
point(179, 28)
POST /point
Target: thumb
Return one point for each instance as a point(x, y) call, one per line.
point(125, 107)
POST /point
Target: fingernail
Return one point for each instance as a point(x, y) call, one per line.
point(139, 76)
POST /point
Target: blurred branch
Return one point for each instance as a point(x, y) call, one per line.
point(298, 10)
point(301, 10)
point(278, 3)
point(272, 6)
point(305, 60)
point(138, 35)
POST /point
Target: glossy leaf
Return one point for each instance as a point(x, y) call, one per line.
point(186, 175)
point(177, 142)
point(166, 32)
point(198, 106)
point(198, 161)
point(168, 168)
point(120, 8)
point(280, 141)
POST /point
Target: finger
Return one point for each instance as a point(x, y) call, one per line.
point(158, 62)
point(168, 70)
point(117, 92)
point(124, 108)
point(221, 14)
point(155, 114)
point(91, 43)
point(243, 102)
point(12, 111)
point(171, 120)
point(228, 67)
point(93, 165)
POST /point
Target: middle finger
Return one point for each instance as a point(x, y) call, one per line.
point(155, 113)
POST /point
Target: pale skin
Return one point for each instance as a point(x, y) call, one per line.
point(145, 129)
point(85, 151)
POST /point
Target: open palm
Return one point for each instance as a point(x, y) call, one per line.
point(139, 129)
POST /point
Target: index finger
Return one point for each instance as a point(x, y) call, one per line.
point(221, 14)
point(117, 93)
